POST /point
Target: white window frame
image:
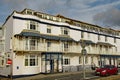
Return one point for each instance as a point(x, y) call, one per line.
point(29, 45)
point(2, 61)
point(49, 29)
point(66, 61)
point(64, 30)
point(31, 60)
point(65, 46)
point(32, 25)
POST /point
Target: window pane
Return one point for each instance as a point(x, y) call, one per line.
point(66, 61)
point(32, 42)
point(26, 62)
point(48, 30)
point(33, 25)
point(82, 34)
point(48, 44)
point(32, 62)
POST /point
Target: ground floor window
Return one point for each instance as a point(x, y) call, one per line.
point(92, 59)
point(2, 61)
point(31, 60)
point(66, 61)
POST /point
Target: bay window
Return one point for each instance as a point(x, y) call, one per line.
point(31, 60)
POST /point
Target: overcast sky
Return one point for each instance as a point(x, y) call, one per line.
point(105, 13)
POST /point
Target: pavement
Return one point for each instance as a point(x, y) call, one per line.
point(57, 76)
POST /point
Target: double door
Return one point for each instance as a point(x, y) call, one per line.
point(54, 65)
point(51, 62)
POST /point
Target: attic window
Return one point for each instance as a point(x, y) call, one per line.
point(29, 12)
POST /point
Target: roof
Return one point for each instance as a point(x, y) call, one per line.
point(44, 36)
point(87, 41)
point(104, 43)
point(108, 55)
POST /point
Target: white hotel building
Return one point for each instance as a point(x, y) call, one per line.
point(41, 43)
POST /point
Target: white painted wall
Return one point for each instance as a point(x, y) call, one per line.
point(18, 63)
point(8, 33)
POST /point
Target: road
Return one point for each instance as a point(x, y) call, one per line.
point(89, 76)
point(68, 76)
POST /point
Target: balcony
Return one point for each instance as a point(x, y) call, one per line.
point(1, 47)
point(66, 49)
point(31, 48)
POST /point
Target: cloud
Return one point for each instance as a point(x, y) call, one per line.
point(110, 17)
point(83, 10)
point(1, 24)
point(14, 4)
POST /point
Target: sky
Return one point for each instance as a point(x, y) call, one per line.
point(105, 13)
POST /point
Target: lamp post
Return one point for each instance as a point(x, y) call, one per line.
point(84, 52)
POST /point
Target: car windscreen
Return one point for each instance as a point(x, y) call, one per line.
point(105, 66)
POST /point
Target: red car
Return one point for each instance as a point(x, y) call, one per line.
point(106, 70)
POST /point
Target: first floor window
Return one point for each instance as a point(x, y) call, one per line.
point(66, 46)
point(31, 60)
point(2, 61)
point(86, 59)
point(48, 44)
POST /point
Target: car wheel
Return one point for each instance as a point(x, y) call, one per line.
point(107, 74)
point(116, 73)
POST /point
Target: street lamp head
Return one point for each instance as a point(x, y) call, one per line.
point(83, 43)
point(84, 51)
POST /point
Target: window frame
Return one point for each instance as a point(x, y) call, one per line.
point(32, 25)
point(86, 59)
point(106, 38)
point(65, 31)
point(99, 38)
point(115, 40)
point(82, 34)
point(49, 30)
point(31, 60)
point(80, 59)
point(66, 61)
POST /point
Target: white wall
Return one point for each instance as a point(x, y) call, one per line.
point(18, 61)
point(8, 33)
point(19, 67)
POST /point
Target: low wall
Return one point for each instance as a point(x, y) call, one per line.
point(75, 68)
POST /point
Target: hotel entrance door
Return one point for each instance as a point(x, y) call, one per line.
point(54, 65)
point(52, 62)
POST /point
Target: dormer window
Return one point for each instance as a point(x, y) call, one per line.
point(29, 12)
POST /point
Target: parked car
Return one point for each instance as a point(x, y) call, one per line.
point(106, 70)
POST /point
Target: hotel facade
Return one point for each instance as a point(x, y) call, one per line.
point(37, 42)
